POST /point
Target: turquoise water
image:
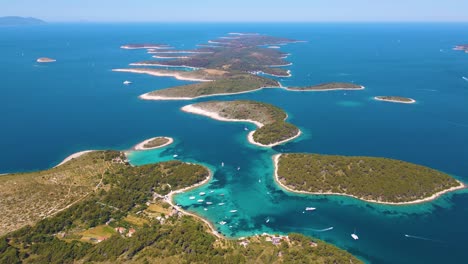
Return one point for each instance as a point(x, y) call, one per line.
point(77, 103)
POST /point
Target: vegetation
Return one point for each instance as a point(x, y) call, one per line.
point(234, 84)
point(397, 99)
point(379, 179)
point(274, 128)
point(26, 198)
point(327, 86)
point(156, 142)
point(97, 229)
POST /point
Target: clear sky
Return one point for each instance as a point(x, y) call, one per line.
point(238, 10)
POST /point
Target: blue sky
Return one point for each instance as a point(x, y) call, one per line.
point(238, 10)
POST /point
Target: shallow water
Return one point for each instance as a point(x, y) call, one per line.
point(77, 103)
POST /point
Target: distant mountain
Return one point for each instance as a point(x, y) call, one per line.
point(20, 21)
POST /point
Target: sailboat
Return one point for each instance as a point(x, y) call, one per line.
point(354, 236)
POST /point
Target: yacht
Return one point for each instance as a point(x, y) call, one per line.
point(192, 197)
point(127, 82)
point(202, 193)
point(233, 211)
point(310, 208)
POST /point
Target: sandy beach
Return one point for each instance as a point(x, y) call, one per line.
point(395, 101)
point(73, 156)
point(162, 65)
point(325, 90)
point(216, 116)
point(141, 145)
point(427, 199)
point(153, 72)
point(280, 76)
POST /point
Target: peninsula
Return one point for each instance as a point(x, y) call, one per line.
point(235, 64)
point(395, 99)
point(45, 60)
point(270, 120)
point(128, 217)
point(327, 87)
point(154, 143)
point(377, 180)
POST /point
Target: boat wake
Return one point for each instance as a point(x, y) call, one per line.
point(324, 230)
point(423, 238)
point(464, 78)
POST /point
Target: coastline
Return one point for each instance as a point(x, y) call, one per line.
point(194, 110)
point(169, 198)
point(147, 96)
point(324, 90)
point(140, 146)
point(394, 101)
point(176, 75)
point(73, 156)
point(418, 201)
point(162, 65)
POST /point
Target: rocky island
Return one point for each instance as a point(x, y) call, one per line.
point(111, 211)
point(327, 87)
point(45, 60)
point(154, 143)
point(462, 48)
point(378, 180)
point(395, 99)
point(270, 120)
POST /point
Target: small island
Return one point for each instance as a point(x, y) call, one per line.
point(154, 143)
point(328, 87)
point(462, 48)
point(377, 180)
point(395, 99)
point(270, 120)
point(96, 209)
point(45, 60)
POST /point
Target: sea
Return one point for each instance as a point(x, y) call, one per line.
point(49, 111)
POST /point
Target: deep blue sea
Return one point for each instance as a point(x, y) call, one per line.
point(50, 111)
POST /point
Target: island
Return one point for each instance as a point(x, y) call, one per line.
point(45, 60)
point(270, 120)
point(395, 99)
point(234, 64)
point(377, 180)
point(231, 84)
point(128, 216)
point(145, 46)
point(462, 48)
point(20, 21)
point(327, 87)
point(154, 143)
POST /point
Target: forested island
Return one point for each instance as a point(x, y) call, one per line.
point(327, 87)
point(395, 99)
point(270, 120)
point(229, 84)
point(378, 180)
point(126, 218)
point(462, 48)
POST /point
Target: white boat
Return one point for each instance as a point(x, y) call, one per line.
point(233, 211)
point(246, 129)
point(202, 193)
point(200, 201)
point(268, 220)
point(222, 164)
point(211, 191)
point(175, 155)
point(192, 197)
point(259, 180)
point(354, 236)
point(222, 223)
point(206, 209)
point(209, 203)
point(221, 204)
point(238, 168)
point(127, 82)
point(310, 208)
